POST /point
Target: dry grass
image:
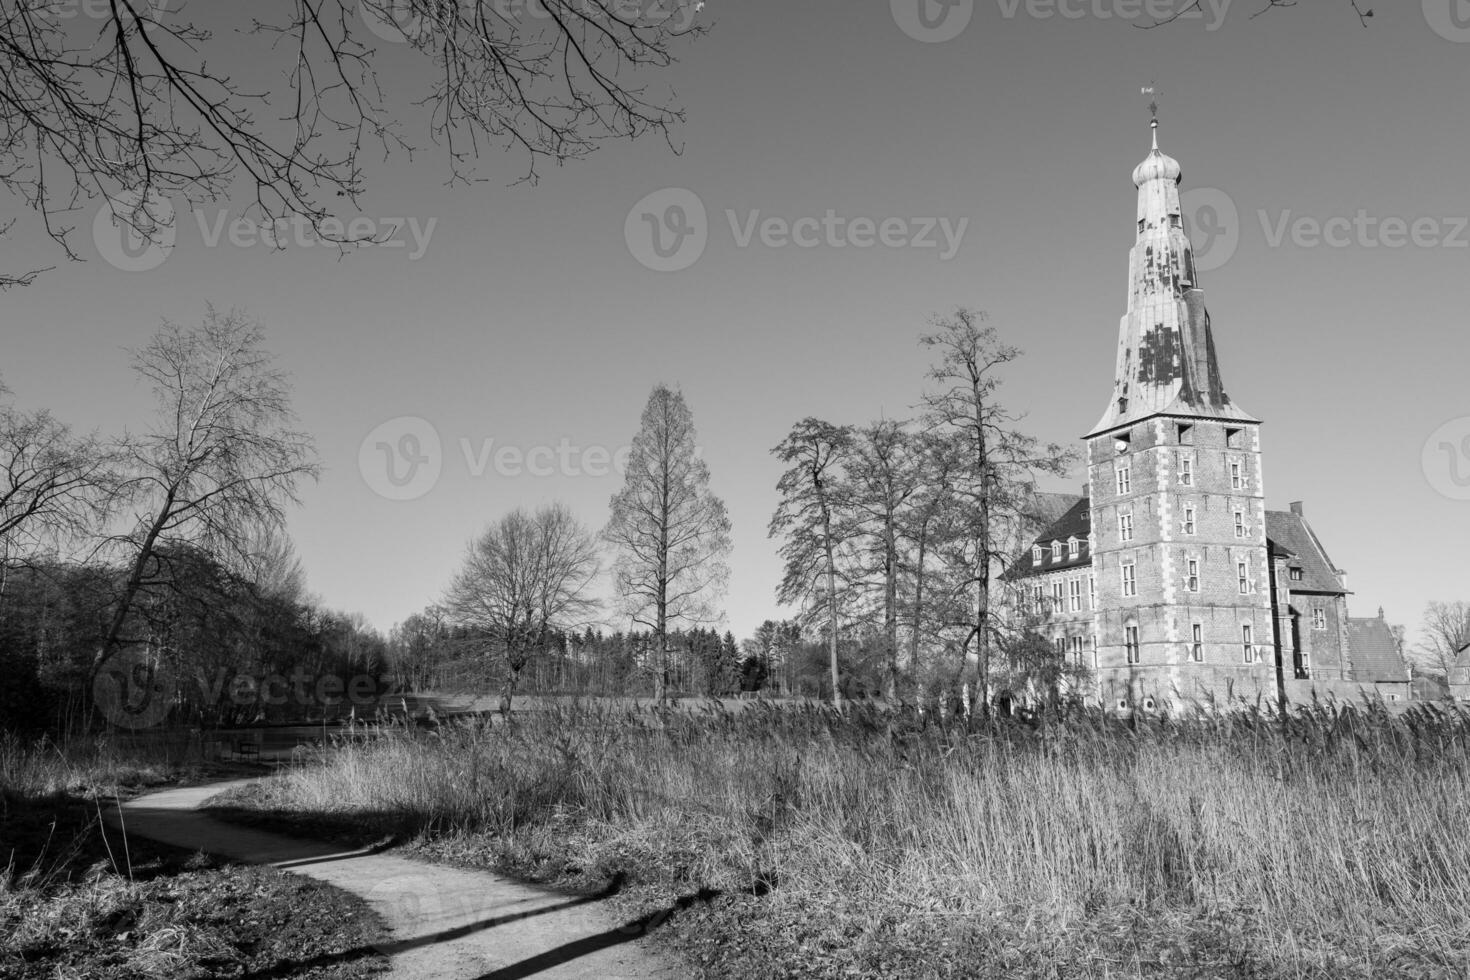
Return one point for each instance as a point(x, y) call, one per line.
point(1330, 846)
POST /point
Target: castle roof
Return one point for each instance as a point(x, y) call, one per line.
point(1375, 651)
point(1288, 535)
point(1075, 522)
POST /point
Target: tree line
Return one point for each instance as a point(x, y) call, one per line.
point(136, 555)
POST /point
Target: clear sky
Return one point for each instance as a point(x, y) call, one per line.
point(529, 320)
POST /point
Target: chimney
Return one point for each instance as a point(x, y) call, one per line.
point(1296, 508)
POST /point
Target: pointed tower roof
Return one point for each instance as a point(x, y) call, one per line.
point(1166, 350)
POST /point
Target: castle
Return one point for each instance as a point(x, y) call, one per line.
point(1169, 579)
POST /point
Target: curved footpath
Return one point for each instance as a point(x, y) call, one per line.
point(443, 921)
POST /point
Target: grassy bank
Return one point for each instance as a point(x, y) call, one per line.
point(1333, 847)
point(80, 900)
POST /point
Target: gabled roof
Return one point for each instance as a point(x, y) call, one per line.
point(1044, 509)
point(1375, 651)
point(1075, 522)
point(1288, 534)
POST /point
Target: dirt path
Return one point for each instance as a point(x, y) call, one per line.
point(444, 922)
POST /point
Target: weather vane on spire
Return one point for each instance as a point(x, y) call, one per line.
point(1153, 92)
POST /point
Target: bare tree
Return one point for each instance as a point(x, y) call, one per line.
point(811, 518)
point(671, 534)
point(884, 474)
point(525, 577)
point(51, 483)
point(133, 105)
point(997, 465)
point(926, 525)
point(218, 468)
point(1446, 632)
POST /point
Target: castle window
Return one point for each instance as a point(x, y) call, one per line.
point(1094, 651)
point(1056, 597)
point(1296, 574)
point(1125, 480)
point(1242, 577)
point(1240, 524)
point(1123, 440)
point(1185, 434)
point(1077, 650)
point(1092, 592)
point(1130, 579)
point(1072, 547)
point(1056, 551)
point(1148, 704)
point(1176, 221)
point(1306, 669)
point(1234, 438)
point(1130, 643)
point(1074, 594)
point(1036, 554)
point(1319, 619)
point(1247, 642)
point(1038, 596)
point(1140, 226)
point(1191, 581)
point(1125, 526)
point(1186, 470)
point(1197, 646)
point(1061, 646)
point(1237, 477)
point(1189, 518)
point(1122, 704)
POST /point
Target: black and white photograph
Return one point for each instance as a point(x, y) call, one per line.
point(734, 490)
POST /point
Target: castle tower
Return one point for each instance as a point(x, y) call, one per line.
point(1178, 520)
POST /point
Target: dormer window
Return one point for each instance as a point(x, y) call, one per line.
point(1056, 551)
point(1185, 434)
point(1176, 221)
point(1072, 547)
point(1234, 438)
point(1296, 575)
point(1036, 554)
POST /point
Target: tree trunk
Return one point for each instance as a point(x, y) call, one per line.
point(508, 688)
point(832, 614)
point(890, 606)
